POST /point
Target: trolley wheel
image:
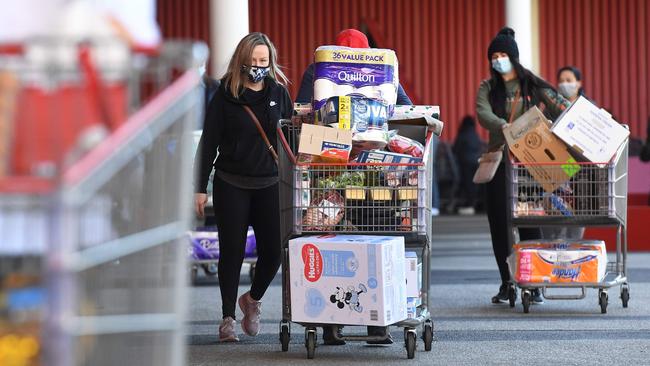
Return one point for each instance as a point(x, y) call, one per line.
point(285, 336)
point(410, 343)
point(512, 295)
point(602, 301)
point(625, 295)
point(525, 300)
point(251, 272)
point(210, 269)
point(310, 342)
point(427, 335)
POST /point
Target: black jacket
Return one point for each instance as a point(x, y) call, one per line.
point(231, 130)
point(306, 91)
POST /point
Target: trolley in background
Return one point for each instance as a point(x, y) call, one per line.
point(596, 195)
point(94, 202)
point(382, 206)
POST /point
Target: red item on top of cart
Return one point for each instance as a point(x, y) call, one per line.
point(404, 145)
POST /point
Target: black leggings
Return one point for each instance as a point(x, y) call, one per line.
point(236, 209)
point(498, 217)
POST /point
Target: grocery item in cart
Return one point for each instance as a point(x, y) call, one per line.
point(369, 72)
point(325, 144)
point(405, 145)
point(369, 140)
point(556, 261)
point(415, 111)
point(530, 140)
point(590, 131)
point(204, 244)
point(347, 279)
point(325, 211)
point(355, 113)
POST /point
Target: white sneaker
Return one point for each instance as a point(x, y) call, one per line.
point(252, 309)
point(227, 330)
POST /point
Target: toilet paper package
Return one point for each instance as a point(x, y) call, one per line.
point(365, 72)
point(558, 261)
point(347, 279)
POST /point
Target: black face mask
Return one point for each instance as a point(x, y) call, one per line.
point(256, 73)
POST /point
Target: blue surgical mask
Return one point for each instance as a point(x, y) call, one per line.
point(502, 65)
point(256, 73)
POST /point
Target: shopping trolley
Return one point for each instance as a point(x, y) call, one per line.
point(395, 200)
point(94, 202)
point(595, 195)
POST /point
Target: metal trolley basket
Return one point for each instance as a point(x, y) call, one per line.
point(395, 200)
point(596, 195)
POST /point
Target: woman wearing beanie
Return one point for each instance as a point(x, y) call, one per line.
point(511, 86)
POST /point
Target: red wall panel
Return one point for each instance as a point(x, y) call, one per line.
point(608, 41)
point(441, 44)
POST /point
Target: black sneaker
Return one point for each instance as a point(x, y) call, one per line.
point(502, 296)
point(536, 297)
point(328, 336)
point(380, 332)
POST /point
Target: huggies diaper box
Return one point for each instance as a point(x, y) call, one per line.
point(347, 279)
point(581, 261)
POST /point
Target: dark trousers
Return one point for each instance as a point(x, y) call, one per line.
point(236, 209)
point(497, 213)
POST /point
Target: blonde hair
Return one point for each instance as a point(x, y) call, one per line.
point(235, 77)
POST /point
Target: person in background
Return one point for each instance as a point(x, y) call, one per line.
point(246, 179)
point(468, 149)
point(354, 39)
point(645, 151)
point(347, 38)
point(569, 83)
point(511, 86)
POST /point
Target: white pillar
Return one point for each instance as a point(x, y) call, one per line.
point(228, 25)
point(519, 16)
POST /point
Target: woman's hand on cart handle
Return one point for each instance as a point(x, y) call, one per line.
point(200, 199)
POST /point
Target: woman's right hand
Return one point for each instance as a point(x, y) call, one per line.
point(200, 199)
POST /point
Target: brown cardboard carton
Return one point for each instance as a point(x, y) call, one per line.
point(325, 143)
point(8, 91)
point(531, 141)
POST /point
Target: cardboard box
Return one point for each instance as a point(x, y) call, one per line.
point(387, 157)
point(590, 131)
point(325, 143)
point(412, 275)
point(8, 93)
point(558, 261)
point(531, 141)
point(415, 126)
point(347, 279)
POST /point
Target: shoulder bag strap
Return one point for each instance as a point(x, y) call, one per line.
point(262, 133)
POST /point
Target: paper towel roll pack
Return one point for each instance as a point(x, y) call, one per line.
point(368, 72)
point(358, 114)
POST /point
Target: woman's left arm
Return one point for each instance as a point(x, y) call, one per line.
point(287, 104)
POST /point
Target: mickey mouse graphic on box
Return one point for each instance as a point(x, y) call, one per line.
point(347, 279)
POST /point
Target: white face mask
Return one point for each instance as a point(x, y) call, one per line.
point(568, 89)
point(502, 65)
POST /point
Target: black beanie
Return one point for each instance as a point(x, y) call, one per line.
point(504, 42)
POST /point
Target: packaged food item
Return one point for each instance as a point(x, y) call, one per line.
point(368, 140)
point(367, 72)
point(325, 144)
point(342, 181)
point(347, 279)
point(405, 145)
point(326, 210)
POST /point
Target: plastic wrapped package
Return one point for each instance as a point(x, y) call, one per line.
point(405, 145)
point(369, 72)
point(325, 211)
